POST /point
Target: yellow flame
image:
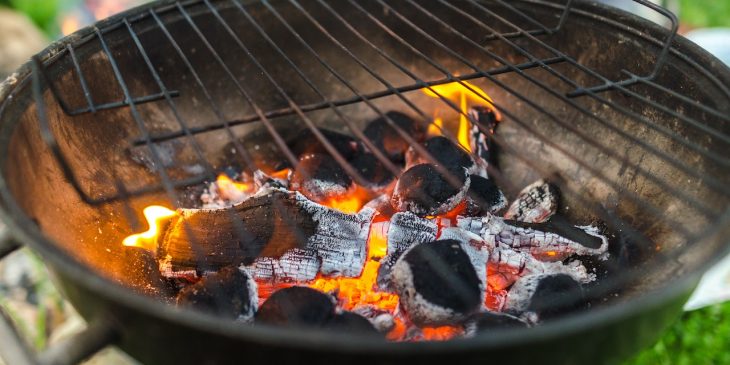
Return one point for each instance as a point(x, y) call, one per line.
point(434, 129)
point(155, 216)
point(460, 93)
point(225, 183)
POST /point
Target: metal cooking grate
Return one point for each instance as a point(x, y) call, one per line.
point(510, 26)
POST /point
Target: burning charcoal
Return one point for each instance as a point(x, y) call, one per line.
point(229, 292)
point(482, 145)
point(535, 204)
point(140, 266)
point(388, 140)
point(582, 240)
point(488, 321)
point(546, 295)
point(423, 190)
point(437, 284)
point(264, 181)
point(278, 234)
point(483, 196)
point(306, 143)
point(446, 153)
point(372, 170)
point(319, 177)
point(297, 306)
point(353, 323)
point(405, 230)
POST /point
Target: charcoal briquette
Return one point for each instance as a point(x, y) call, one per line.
point(548, 296)
point(424, 190)
point(297, 306)
point(385, 137)
point(229, 292)
point(437, 283)
point(372, 170)
point(484, 196)
point(306, 143)
point(445, 152)
point(352, 323)
point(319, 177)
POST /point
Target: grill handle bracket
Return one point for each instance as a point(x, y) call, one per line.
point(633, 79)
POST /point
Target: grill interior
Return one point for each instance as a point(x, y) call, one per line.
point(633, 132)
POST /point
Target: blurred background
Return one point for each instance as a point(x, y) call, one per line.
point(701, 336)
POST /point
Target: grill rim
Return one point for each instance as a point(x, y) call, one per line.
point(25, 231)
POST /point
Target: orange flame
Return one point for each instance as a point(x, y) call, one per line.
point(155, 215)
point(461, 93)
point(229, 188)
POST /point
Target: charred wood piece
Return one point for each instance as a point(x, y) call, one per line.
point(548, 296)
point(306, 143)
point(386, 138)
point(437, 284)
point(319, 177)
point(483, 196)
point(482, 144)
point(279, 235)
point(229, 292)
point(297, 307)
point(536, 203)
point(424, 191)
point(404, 231)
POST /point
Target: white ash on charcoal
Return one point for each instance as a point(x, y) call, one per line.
point(378, 177)
point(306, 142)
point(263, 180)
point(283, 236)
point(547, 296)
point(446, 153)
point(536, 239)
point(320, 177)
point(424, 190)
point(483, 197)
point(536, 203)
point(482, 144)
point(486, 322)
point(437, 284)
point(386, 138)
point(230, 292)
point(297, 306)
point(404, 231)
point(383, 321)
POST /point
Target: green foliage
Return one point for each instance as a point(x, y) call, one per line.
point(701, 337)
point(42, 12)
point(705, 13)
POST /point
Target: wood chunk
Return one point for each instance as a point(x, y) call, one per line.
point(287, 237)
point(297, 306)
point(385, 137)
point(536, 203)
point(404, 231)
point(437, 284)
point(424, 191)
point(230, 292)
point(319, 177)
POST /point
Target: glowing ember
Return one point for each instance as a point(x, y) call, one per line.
point(460, 93)
point(155, 215)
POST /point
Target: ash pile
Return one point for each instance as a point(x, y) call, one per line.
point(430, 250)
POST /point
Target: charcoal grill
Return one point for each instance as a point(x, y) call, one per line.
point(630, 120)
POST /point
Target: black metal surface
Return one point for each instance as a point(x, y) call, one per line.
point(522, 63)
